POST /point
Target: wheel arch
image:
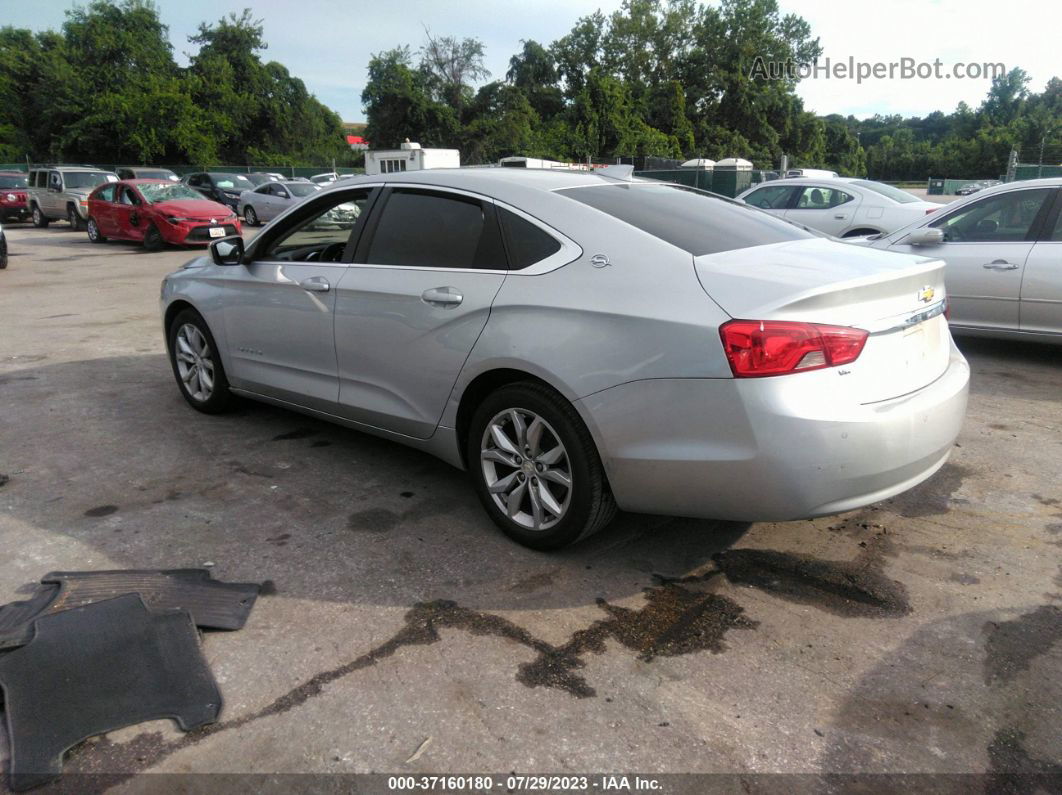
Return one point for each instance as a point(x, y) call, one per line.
point(861, 230)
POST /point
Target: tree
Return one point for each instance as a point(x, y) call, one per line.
point(398, 104)
point(451, 66)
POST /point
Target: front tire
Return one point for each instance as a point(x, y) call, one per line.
point(536, 469)
point(250, 216)
point(152, 238)
point(197, 365)
point(74, 219)
point(40, 220)
point(94, 232)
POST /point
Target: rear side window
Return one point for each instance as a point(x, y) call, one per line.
point(693, 220)
point(436, 230)
point(525, 242)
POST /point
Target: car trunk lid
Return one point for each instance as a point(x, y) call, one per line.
point(898, 299)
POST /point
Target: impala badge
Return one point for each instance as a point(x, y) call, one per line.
point(599, 261)
point(925, 295)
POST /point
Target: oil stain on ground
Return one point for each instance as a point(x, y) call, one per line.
point(1011, 646)
point(932, 497)
point(853, 589)
point(373, 520)
point(101, 510)
point(675, 620)
point(298, 433)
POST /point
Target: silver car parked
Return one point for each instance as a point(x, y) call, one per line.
point(580, 343)
point(270, 199)
point(1003, 249)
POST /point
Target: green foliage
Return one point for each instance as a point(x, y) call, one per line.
point(107, 89)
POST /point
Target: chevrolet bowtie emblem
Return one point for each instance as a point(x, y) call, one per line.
point(925, 295)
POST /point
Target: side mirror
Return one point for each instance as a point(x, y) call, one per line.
point(227, 251)
point(926, 236)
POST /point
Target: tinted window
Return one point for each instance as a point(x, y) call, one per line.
point(436, 230)
point(693, 220)
point(773, 197)
point(323, 236)
point(1005, 217)
point(525, 242)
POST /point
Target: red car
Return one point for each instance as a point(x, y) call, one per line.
point(155, 212)
point(13, 203)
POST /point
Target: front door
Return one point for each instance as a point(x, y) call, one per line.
point(128, 217)
point(103, 210)
point(413, 304)
point(1041, 288)
point(279, 313)
point(986, 244)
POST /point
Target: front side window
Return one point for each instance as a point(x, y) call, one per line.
point(525, 242)
point(427, 229)
point(128, 196)
point(1003, 218)
point(106, 193)
point(323, 236)
point(773, 197)
point(693, 220)
point(55, 181)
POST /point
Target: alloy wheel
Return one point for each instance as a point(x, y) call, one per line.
point(526, 469)
point(195, 362)
point(93, 230)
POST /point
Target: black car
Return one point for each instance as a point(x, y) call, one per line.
point(222, 187)
point(145, 172)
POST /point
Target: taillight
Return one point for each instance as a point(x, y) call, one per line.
point(757, 348)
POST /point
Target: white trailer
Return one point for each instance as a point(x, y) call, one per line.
point(411, 157)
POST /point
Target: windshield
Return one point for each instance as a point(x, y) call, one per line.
point(87, 179)
point(696, 221)
point(897, 195)
point(261, 179)
point(7, 181)
point(301, 188)
point(230, 181)
point(156, 192)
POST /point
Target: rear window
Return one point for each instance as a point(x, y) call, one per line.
point(691, 219)
point(527, 244)
point(12, 182)
point(897, 195)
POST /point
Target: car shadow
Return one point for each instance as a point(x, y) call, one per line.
point(107, 457)
point(1008, 368)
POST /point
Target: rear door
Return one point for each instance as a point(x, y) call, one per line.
point(1041, 286)
point(829, 210)
point(986, 245)
point(410, 308)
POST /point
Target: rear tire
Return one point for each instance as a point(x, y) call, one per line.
point(250, 216)
point(94, 232)
point(3, 253)
point(545, 487)
point(152, 238)
point(74, 219)
point(197, 364)
point(40, 220)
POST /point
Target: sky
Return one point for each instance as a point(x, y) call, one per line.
point(328, 43)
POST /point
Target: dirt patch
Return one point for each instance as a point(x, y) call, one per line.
point(297, 433)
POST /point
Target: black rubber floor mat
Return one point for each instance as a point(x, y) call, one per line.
point(213, 604)
point(97, 668)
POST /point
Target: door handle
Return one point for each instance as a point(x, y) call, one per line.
point(442, 296)
point(999, 265)
point(840, 216)
point(315, 284)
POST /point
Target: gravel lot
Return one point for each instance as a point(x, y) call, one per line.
point(404, 634)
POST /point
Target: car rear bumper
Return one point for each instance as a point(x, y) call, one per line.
point(769, 449)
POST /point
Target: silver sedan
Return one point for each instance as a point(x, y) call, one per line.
point(1003, 249)
point(584, 342)
point(270, 199)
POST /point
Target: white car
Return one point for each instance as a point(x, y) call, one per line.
point(842, 207)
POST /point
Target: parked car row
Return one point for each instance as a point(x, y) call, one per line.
point(974, 187)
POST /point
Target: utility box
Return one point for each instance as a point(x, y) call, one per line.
point(731, 176)
point(410, 157)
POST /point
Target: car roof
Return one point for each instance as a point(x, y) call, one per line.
point(73, 168)
point(147, 181)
